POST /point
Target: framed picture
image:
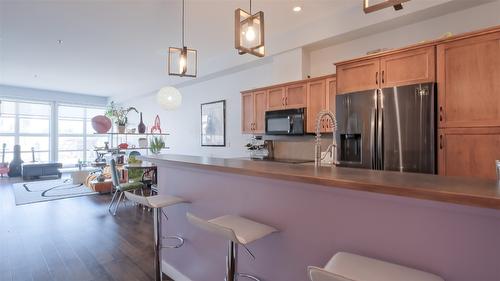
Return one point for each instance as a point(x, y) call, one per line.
point(213, 123)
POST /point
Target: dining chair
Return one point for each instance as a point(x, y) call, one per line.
point(120, 188)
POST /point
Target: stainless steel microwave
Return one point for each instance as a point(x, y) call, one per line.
point(285, 122)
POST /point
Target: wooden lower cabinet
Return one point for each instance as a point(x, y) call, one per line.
point(468, 152)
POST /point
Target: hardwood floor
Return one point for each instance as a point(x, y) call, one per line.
point(73, 239)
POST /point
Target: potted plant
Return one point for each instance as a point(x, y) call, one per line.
point(119, 115)
point(156, 144)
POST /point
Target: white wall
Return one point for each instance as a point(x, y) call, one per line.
point(184, 123)
point(463, 21)
point(12, 92)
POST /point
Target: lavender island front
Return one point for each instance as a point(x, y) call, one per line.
point(447, 226)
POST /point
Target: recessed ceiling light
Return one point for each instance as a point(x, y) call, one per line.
point(60, 41)
point(297, 9)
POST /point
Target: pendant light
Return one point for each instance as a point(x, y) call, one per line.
point(169, 98)
point(182, 61)
point(379, 5)
point(249, 32)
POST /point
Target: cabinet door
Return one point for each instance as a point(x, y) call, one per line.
point(260, 107)
point(409, 67)
point(296, 96)
point(316, 102)
point(276, 98)
point(331, 94)
point(469, 152)
point(247, 113)
point(468, 82)
point(358, 76)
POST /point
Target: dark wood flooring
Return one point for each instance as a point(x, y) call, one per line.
point(73, 239)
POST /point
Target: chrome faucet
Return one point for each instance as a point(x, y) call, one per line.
point(317, 146)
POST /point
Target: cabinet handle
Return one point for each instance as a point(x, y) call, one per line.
point(440, 141)
point(441, 113)
point(383, 76)
point(283, 101)
point(376, 77)
point(286, 100)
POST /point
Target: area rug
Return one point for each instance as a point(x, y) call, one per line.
point(40, 191)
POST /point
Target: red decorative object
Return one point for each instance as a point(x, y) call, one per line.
point(123, 146)
point(101, 124)
point(157, 127)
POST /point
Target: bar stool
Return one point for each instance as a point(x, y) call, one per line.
point(157, 202)
point(239, 231)
point(350, 267)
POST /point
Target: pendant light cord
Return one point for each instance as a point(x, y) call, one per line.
point(250, 7)
point(183, 23)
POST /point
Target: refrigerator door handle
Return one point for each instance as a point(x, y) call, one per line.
point(380, 140)
point(373, 135)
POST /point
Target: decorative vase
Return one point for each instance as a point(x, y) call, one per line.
point(101, 124)
point(141, 128)
point(121, 129)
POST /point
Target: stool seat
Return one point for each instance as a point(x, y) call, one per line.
point(235, 228)
point(156, 201)
point(350, 267)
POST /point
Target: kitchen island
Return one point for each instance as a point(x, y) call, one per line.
point(447, 226)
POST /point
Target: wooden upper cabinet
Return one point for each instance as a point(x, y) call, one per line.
point(316, 102)
point(247, 113)
point(260, 107)
point(358, 76)
point(408, 67)
point(295, 96)
point(468, 152)
point(254, 106)
point(468, 74)
point(276, 98)
point(331, 95)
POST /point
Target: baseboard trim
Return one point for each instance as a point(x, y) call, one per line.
point(173, 273)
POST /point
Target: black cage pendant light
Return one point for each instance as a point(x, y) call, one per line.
point(182, 61)
point(249, 32)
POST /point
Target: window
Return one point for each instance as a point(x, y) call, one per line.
point(76, 139)
point(26, 124)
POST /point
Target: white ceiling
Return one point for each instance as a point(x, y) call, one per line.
point(119, 48)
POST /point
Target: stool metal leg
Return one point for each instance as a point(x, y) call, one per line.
point(157, 232)
point(231, 261)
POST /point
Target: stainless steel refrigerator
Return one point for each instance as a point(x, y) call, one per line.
point(388, 129)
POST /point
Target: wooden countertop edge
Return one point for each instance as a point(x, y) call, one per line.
point(409, 192)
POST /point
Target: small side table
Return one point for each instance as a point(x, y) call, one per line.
point(79, 176)
point(102, 187)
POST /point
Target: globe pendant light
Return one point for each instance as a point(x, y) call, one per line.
point(249, 32)
point(182, 61)
point(169, 98)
